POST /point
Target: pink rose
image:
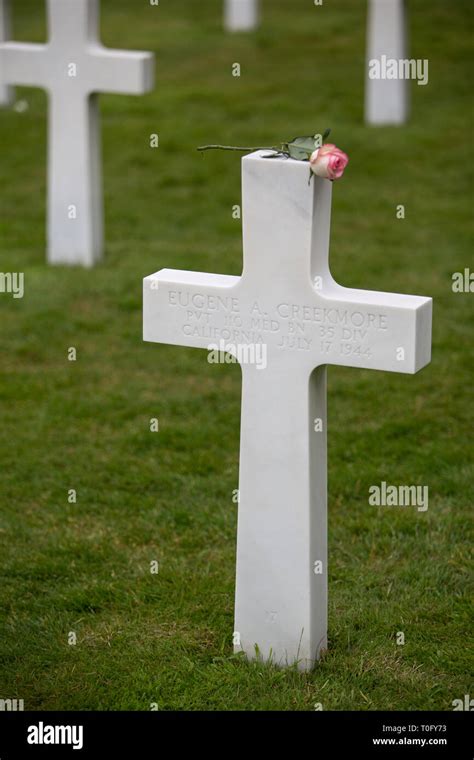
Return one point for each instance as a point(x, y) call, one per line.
point(328, 162)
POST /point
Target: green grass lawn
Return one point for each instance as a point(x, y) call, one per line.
point(166, 638)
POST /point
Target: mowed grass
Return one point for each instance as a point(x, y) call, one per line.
point(167, 496)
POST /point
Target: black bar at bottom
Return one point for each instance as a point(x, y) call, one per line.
point(324, 734)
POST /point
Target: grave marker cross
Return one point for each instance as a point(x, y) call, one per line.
point(386, 100)
point(241, 15)
point(73, 66)
point(287, 300)
point(6, 92)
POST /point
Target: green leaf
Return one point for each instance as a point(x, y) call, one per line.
point(302, 147)
point(326, 134)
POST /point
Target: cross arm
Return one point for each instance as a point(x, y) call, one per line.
point(130, 73)
point(23, 63)
point(373, 330)
point(184, 308)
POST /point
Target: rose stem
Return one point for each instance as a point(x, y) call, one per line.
point(232, 147)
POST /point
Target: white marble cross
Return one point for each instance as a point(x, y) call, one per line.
point(286, 302)
point(241, 15)
point(72, 67)
point(6, 92)
point(386, 100)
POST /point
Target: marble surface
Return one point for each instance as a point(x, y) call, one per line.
point(287, 301)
